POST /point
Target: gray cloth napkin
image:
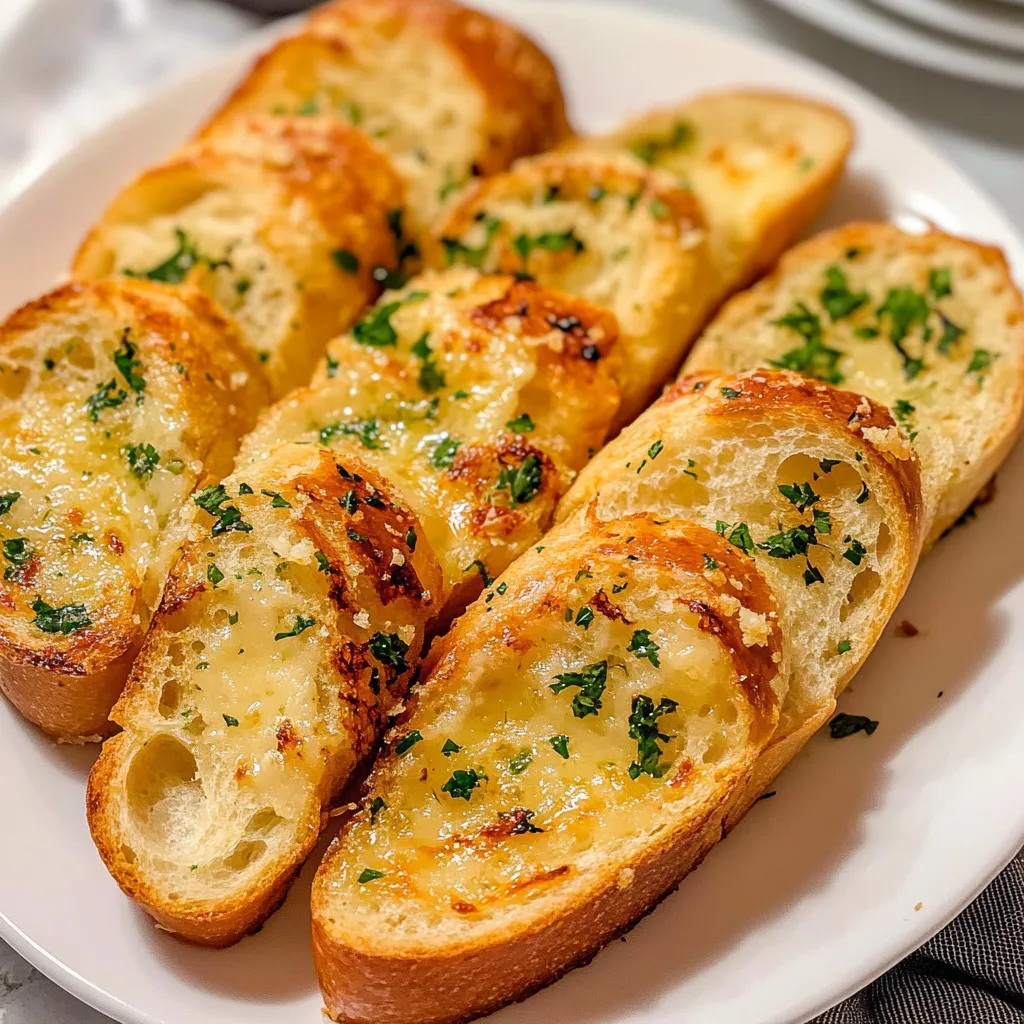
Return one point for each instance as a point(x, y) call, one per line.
point(972, 972)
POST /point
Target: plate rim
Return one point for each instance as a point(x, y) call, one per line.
point(931, 52)
point(1000, 28)
point(105, 1002)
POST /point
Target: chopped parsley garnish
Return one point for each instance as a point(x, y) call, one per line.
point(905, 308)
point(431, 376)
point(644, 647)
point(230, 721)
point(591, 681)
point(407, 742)
point(812, 575)
point(302, 623)
point(827, 465)
point(7, 501)
point(791, 542)
point(213, 574)
point(801, 496)
point(367, 432)
point(523, 482)
point(346, 261)
point(410, 539)
point(659, 208)
point(66, 619)
point(106, 396)
point(480, 568)
point(355, 536)
point(730, 393)
point(276, 500)
point(550, 241)
point(843, 647)
point(128, 366)
point(864, 493)
point(940, 282)
point(521, 424)
point(836, 296)
point(18, 552)
point(450, 747)
point(656, 449)
point(348, 501)
point(369, 875)
point(462, 783)
point(709, 563)
point(443, 455)
point(643, 727)
point(142, 459)
point(560, 744)
point(211, 500)
point(457, 251)
point(951, 334)
point(376, 806)
point(855, 552)
point(176, 267)
point(738, 536)
point(844, 725)
point(375, 330)
point(650, 149)
point(814, 358)
point(981, 360)
point(390, 649)
point(520, 762)
point(584, 617)
point(323, 563)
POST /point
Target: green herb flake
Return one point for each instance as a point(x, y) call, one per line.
point(450, 747)
point(800, 496)
point(302, 623)
point(481, 569)
point(323, 563)
point(843, 647)
point(738, 536)
point(213, 574)
point(276, 500)
point(375, 330)
point(230, 721)
point(651, 149)
point(836, 296)
point(940, 282)
point(7, 501)
point(981, 360)
point(643, 727)
point(211, 500)
point(523, 482)
point(521, 424)
point(367, 432)
point(560, 745)
point(369, 875)
point(814, 358)
point(855, 551)
point(390, 649)
point(644, 647)
point(142, 460)
point(520, 762)
point(591, 681)
point(443, 454)
point(584, 617)
point(346, 261)
point(462, 783)
point(709, 563)
point(66, 619)
point(407, 742)
point(376, 806)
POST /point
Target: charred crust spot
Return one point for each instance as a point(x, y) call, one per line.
point(600, 602)
point(538, 879)
point(180, 592)
point(515, 822)
point(115, 543)
point(287, 738)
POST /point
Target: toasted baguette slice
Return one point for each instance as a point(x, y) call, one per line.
point(445, 91)
point(930, 325)
point(566, 762)
point(280, 220)
point(816, 485)
point(602, 227)
point(761, 164)
point(288, 631)
point(116, 399)
point(478, 397)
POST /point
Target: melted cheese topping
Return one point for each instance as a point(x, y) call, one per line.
point(92, 524)
point(445, 857)
point(445, 386)
point(235, 263)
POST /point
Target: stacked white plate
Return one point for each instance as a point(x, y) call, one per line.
point(981, 40)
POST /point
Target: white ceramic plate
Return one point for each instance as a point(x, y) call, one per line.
point(871, 844)
point(866, 25)
point(987, 23)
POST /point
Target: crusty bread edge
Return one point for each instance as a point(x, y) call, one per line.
point(500, 973)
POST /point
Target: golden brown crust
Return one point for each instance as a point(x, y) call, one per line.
point(386, 980)
point(315, 186)
point(411, 588)
point(67, 684)
point(525, 106)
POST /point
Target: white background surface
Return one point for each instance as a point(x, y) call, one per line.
point(100, 55)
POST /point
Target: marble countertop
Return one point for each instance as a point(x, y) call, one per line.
point(68, 65)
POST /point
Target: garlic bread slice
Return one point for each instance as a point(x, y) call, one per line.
point(287, 634)
point(602, 227)
point(445, 91)
point(282, 221)
point(567, 760)
point(477, 396)
point(760, 163)
point(815, 486)
point(116, 399)
point(930, 325)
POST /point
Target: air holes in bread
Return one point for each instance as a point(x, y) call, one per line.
point(163, 791)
